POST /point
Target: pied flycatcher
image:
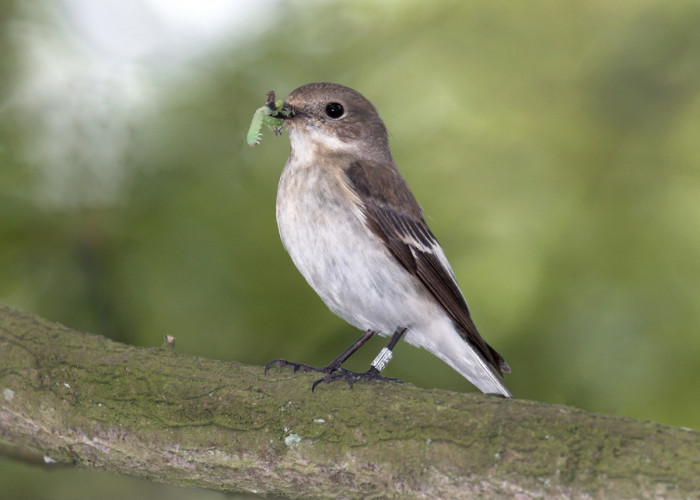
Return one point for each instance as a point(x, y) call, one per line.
point(356, 233)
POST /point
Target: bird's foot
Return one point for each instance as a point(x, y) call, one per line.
point(351, 377)
point(298, 367)
point(333, 373)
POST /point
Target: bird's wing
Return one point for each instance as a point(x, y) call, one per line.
point(393, 214)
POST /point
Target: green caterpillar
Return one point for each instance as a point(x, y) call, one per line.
point(266, 115)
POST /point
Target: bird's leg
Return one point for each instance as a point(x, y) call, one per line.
point(375, 369)
point(333, 365)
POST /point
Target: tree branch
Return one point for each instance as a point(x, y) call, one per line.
point(84, 400)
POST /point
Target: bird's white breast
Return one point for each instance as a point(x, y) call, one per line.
point(344, 262)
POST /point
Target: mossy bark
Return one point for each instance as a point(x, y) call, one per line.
point(83, 400)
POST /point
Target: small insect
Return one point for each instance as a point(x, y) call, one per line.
point(266, 115)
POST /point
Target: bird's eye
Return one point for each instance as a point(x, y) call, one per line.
point(335, 110)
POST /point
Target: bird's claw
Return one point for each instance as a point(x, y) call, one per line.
point(351, 377)
point(297, 367)
point(333, 373)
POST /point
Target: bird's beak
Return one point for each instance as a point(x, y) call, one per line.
point(283, 112)
point(279, 109)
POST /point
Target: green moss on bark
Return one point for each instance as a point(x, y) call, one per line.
point(81, 399)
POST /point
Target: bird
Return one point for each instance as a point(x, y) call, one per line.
point(356, 233)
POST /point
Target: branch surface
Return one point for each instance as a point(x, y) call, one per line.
point(83, 400)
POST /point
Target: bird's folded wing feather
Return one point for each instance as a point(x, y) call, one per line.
point(407, 236)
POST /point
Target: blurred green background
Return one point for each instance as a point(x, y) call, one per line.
point(554, 146)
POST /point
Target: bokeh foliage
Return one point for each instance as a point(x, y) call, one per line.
point(553, 146)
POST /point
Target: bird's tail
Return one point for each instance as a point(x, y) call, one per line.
point(449, 346)
point(472, 366)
